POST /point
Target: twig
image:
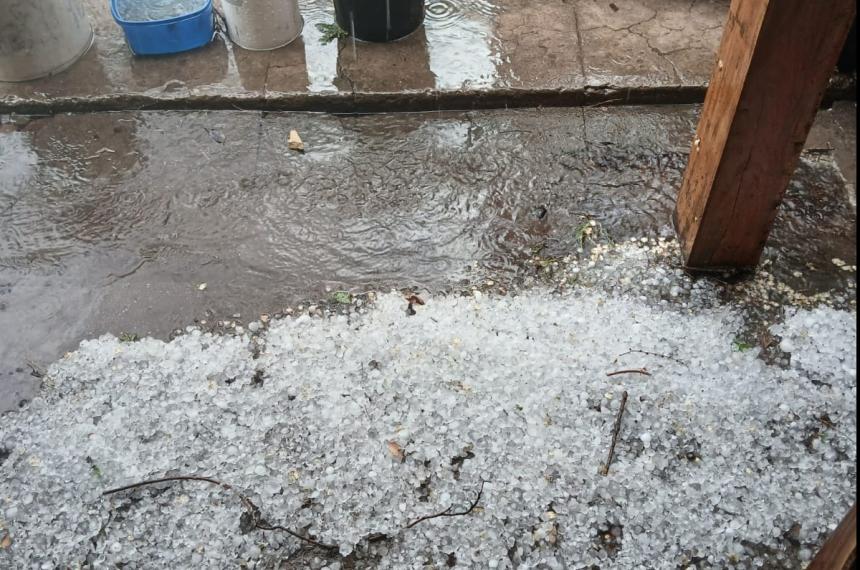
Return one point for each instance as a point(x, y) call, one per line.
point(258, 523)
point(630, 371)
point(447, 512)
point(615, 429)
point(254, 512)
point(252, 509)
point(167, 480)
point(265, 526)
point(132, 271)
point(35, 370)
point(657, 354)
point(606, 102)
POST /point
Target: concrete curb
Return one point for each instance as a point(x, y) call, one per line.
point(841, 88)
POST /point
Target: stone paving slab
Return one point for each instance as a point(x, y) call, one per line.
point(491, 53)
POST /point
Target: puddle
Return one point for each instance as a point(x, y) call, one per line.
point(461, 44)
point(112, 222)
point(455, 48)
point(321, 59)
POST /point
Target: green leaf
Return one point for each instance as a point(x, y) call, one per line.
point(342, 297)
point(331, 32)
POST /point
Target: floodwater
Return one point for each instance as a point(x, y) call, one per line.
point(112, 222)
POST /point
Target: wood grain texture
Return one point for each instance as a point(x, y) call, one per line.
point(774, 62)
point(840, 550)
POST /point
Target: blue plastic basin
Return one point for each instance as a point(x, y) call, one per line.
point(171, 35)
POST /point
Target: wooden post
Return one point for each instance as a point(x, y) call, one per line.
point(774, 62)
point(840, 550)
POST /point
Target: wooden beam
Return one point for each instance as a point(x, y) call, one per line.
point(774, 62)
point(840, 550)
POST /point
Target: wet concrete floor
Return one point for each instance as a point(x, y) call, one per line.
point(465, 46)
point(113, 222)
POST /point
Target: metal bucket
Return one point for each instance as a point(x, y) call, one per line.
point(41, 37)
point(262, 24)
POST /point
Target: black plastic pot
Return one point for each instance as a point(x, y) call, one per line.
point(379, 20)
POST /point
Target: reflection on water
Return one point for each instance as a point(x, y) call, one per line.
point(443, 14)
point(321, 58)
point(402, 65)
point(55, 215)
point(461, 44)
point(17, 162)
point(460, 41)
point(63, 209)
point(456, 41)
point(204, 66)
point(537, 46)
point(280, 70)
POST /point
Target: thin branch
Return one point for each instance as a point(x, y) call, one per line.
point(447, 512)
point(606, 102)
point(35, 370)
point(265, 526)
point(252, 509)
point(657, 354)
point(254, 512)
point(167, 480)
point(630, 371)
point(615, 429)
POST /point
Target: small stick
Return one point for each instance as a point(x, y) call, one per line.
point(35, 370)
point(447, 512)
point(249, 505)
point(260, 524)
point(630, 371)
point(167, 480)
point(264, 526)
point(657, 354)
point(616, 428)
point(606, 102)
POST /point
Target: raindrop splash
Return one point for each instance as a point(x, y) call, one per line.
point(352, 33)
point(387, 19)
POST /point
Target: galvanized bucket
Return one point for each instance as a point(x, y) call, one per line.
point(262, 24)
point(41, 37)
